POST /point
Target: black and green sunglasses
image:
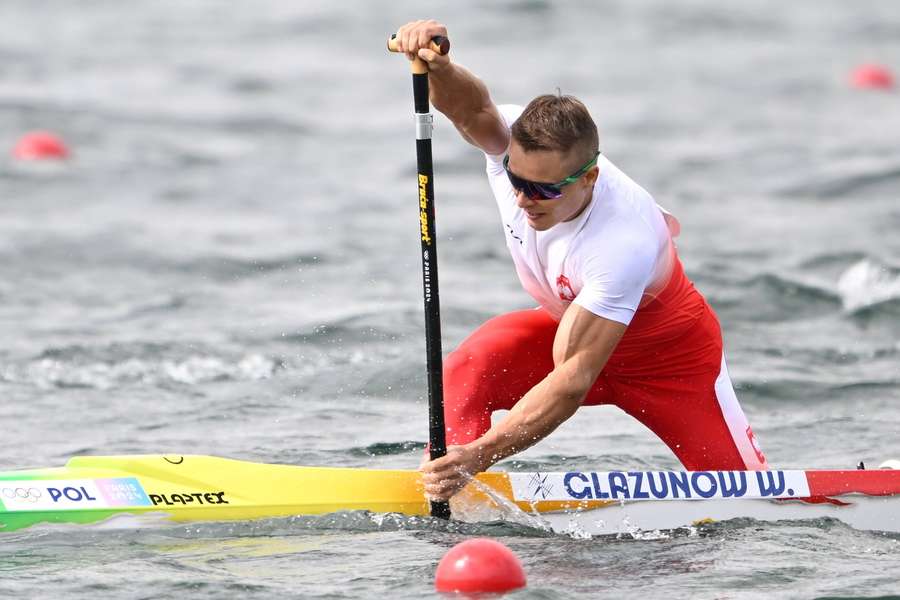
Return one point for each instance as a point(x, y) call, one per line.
point(545, 191)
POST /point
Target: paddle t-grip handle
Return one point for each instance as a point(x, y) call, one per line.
point(439, 44)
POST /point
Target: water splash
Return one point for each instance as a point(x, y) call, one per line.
point(867, 283)
point(468, 507)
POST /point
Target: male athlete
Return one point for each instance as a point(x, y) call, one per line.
point(618, 322)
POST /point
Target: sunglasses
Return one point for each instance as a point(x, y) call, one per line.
point(544, 191)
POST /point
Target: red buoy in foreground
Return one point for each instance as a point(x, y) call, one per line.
point(872, 77)
point(39, 145)
point(479, 565)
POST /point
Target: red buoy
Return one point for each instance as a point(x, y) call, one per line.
point(872, 77)
point(38, 145)
point(479, 565)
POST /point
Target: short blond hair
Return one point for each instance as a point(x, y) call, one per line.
point(557, 122)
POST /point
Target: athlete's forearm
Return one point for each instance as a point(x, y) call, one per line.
point(465, 100)
point(582, 346)
point(544, 408)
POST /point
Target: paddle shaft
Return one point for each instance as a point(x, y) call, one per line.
point(428, 236)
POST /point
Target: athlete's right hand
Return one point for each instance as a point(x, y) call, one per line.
point(414, 39)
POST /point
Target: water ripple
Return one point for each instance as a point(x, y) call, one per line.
point(71, 368)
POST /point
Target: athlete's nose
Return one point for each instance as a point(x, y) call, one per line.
point(523, 200)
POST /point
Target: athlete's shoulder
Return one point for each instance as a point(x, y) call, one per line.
point(617, 181)
point(623, 241)
point(621, 230)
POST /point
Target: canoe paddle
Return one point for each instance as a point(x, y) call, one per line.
point(425, 193)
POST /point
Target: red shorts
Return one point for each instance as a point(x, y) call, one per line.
point(668, 371)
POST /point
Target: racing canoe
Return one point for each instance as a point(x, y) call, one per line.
point(191, 488)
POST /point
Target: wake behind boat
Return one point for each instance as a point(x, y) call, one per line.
point(91, 489)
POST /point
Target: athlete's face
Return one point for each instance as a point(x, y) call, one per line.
point(551, 167)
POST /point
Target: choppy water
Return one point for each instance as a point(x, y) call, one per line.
point(228, 265)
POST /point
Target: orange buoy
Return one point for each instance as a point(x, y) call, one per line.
point(479, 565)
point(872, 77)
point(39, 145)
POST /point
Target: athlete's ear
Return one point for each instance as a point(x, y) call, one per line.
point(590, 178)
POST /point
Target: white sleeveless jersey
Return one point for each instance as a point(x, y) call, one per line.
point(608, 259)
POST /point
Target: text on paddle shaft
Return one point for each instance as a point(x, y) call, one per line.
point(426, 275)
point(426, 235)
point(423, 208)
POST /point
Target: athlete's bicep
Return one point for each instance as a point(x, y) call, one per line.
point(583, 344)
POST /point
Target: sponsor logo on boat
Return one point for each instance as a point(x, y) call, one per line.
point(45, 494)
point(188, 498)
point(123, 491)
point(21, 494)
point(658, 485)
point(539, 486)
point(51, 494)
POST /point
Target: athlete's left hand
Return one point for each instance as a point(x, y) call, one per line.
point(447, 475)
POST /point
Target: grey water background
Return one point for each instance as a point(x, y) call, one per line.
point(229, 265)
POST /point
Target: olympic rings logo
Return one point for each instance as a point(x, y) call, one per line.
point(22, 494)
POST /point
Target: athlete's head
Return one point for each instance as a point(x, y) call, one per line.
point(552, 159)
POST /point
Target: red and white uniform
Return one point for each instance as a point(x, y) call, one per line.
point(617, 260)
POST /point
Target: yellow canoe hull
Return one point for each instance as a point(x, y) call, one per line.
point(205, 488)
